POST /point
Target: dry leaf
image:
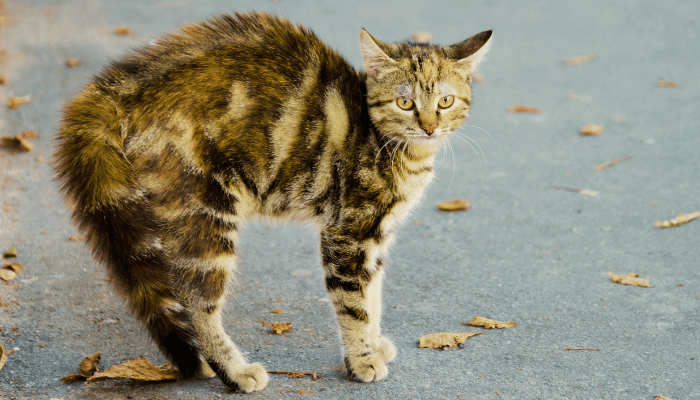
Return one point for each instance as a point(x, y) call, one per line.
point(278, 328)
point(3, 80)
point(579, 60)
point(661, 397)
point(297, 375)
point(16, 102)
point(610, 163)
point(76, 238)
point(489, 323)
point(9, 272)
point(122, 31)
point(88, 368)
point(631, 279)
point(72, 62)
point(277, 311)
point(17, 142)
point(422, 37)
point(519, 108)
point(3, 357)
point(666, 84)
point(592, 130)
point(679, 220)
point(12, 252)
point(454, 205)
point(140, 370)
point(444, 339)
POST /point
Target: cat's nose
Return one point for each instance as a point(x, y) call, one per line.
point(429, 127)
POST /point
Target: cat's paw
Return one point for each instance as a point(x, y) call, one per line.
point(251, 378)
point(367, 367)
point(385, 348)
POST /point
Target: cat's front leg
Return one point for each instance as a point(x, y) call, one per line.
point(354, 280)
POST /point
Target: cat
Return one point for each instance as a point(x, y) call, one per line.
point(166, 153)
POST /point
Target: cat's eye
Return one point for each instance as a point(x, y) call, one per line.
point(404, 103)
point(446, 101)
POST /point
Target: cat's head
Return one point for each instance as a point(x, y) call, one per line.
point(420, 92)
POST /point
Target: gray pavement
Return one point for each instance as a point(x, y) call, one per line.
point(524, 251)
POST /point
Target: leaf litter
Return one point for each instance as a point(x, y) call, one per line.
point(630, 279)
point(454, 205)
point(10, 271)
point(444, 339)
point(487, 323)
point(3, 357)
point(278, 328)
point(679, 220)
point(140, 369)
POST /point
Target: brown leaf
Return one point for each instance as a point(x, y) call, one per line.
point(579, 60)
point(72, 62)
point(301, 392)
point(592, 130)
point(278, 328)
point(10, 271)
point(140, 370)
point(679, 220)
point(422, 37)
point(454, 205)
point(76, 238)
point(122, 31)
point(631, 279)
point(666, 84)
point(489, 323)
point(88, 368)
point(444, 339)
point(3, 357)
point(519, 108)
point(12, 252)
point(611, 163)
point(276, 311)
point(661, 397)
point(16, 102)
point(297, 375)
point(3, 80)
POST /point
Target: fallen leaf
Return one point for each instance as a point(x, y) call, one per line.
point(17, 142)
point(631, 279)
point(88, 368)
point(661, 397)
point(16, 102)
point(72, 62)
point(489, 323)
point(297, 375)
point(579, 60)
point(519, 108)
point(3, 357)
point(12, 252)
point(278, 328)
point(666, 84)
point(589, 193)
point(3, 80)
point(444, 339)
point(140, 370)
point(613, 162)
point(679, 220)
point(422, 37)
point(122, 31)
point(76, 238)
point(592, 130)
point(276, 311)
point(10, 271)
point(454, 205)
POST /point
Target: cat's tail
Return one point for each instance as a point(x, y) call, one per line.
point(119, 224)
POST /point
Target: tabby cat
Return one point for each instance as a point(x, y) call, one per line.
point(166, 153)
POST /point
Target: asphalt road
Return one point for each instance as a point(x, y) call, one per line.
point(524, 252)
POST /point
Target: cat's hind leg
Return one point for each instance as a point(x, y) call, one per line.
point(205, 246)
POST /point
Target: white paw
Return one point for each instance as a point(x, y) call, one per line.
point(367, 368)
point(385, 348)
point(251, 377)
point(206, 372)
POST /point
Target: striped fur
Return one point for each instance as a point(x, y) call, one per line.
point(169, 150)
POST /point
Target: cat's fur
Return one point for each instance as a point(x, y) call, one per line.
point(167, 152)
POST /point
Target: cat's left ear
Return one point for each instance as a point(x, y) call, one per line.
point(375, 59)
point(471, 52)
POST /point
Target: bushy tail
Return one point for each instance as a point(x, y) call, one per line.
point(119, 224)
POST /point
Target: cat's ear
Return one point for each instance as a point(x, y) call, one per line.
point(375, 59)
point(471, 52)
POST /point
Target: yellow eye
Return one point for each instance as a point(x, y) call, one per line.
point(446, 101)
point(404, 103)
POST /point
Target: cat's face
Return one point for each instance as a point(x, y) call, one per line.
point(418, 92)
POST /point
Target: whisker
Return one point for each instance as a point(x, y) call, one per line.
point(483, 130)
point(380, 150)
point(464, 138)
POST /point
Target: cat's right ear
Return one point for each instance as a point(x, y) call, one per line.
point(375, 60)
